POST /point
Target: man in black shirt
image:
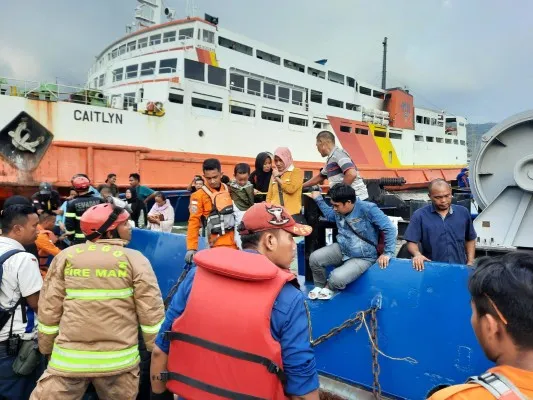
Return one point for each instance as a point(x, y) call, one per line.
point(46, 200)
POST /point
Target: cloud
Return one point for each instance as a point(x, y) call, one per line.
point(447, 4)
point(18, 64)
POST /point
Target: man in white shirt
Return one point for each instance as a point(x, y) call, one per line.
point(19, 288)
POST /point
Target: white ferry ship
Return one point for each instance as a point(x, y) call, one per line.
point(171, 93)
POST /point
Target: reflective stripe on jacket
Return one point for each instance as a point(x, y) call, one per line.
point(94, 299)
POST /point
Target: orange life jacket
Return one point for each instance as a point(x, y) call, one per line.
point(221, 346)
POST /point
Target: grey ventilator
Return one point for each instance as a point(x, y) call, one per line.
point(502, 184)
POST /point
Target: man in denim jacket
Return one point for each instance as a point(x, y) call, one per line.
point(352, 255)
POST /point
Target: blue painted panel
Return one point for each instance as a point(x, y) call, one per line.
point(166, 252)
point(425, 315)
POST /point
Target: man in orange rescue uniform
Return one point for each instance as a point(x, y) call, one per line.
point(212, 202)
point(252, 340)
point(502, 318)
point(95, 297)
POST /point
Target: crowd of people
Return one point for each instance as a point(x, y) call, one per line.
point(93, 321)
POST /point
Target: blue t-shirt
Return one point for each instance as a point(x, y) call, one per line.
point(288, 326)
point(442, 240)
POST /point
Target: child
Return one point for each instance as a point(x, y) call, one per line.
point(242, 194)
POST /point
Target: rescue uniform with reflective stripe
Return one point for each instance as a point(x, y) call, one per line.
point(95, 297)
point(75, 209)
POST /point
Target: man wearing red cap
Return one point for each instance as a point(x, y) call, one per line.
point(95, 297)
point(238, 325)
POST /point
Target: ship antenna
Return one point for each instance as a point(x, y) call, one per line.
point(384, 70)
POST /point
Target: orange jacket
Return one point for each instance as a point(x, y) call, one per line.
point(522, 379)
point(45, 243)
point(201, 206)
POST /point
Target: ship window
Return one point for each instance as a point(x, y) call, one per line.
point(236, 82)
point(440, 140)
point(448, 141)
point(451, 119)
point(254, 87)
point(346, 129)
point(168, 66)
point(155, 40)
point(194, 70)
point(283, 94)
point(271, 116)
point(350, 81)
point(101, 80)
point(148, 68)
point(364, 90)
point(429, 139)
point(268, 57)
point(426, 120)
point(394, 135)
point(122, 50)
point(440, 123)
point(131, 45)
point(463, 143)
point(207, 104)
point(316, 72)
point(269, 91)
point(297, 98)
point(216, 76)
point(461, 124)
point(294, 65)
point(117, 74)
point(209, 36)
point(230, 44)
point(316, 96)
point(433, 121)
point(131, 71)
point(353, 107)
point(297, 121)
point(237, 110)
point(169, 37)
point(378, 95)
point(419, 119)
point(114, 53)
point(187, 33)
point(335, 77)
point(175, 98)
point(142, 43)
point(455, 141)
point(319, 125)
point(360, 131)
point(95, 83)
point(379, 133)
point(335, 103)
point(419, 138)
point(129, 100)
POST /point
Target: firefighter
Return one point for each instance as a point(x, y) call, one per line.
point(95, 297)
point(77, 206)
point(238, 322)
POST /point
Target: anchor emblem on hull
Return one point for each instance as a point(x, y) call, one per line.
point(20, 136)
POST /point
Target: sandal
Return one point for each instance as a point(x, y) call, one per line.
point(313, 294)
point(325, 294)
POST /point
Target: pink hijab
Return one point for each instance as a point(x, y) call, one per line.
point(285, 154)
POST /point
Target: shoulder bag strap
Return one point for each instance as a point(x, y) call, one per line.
point(364, 239)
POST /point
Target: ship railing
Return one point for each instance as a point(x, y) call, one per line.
point(237, 88)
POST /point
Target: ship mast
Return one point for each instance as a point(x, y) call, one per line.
point(384, 70)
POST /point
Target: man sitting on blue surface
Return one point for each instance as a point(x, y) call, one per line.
point(236, 312)
point(444, 230)
point(462, 179)
point(502, 319)
point(359, 223)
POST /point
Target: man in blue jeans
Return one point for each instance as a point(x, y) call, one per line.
point(359, 223)
point(266, 231)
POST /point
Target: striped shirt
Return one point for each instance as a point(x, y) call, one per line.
point(337, 164)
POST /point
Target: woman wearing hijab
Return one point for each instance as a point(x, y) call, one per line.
point(138, 208)
point(161, 216)
point(286, 183)
point(262, 175)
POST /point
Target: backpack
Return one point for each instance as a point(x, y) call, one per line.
point(5, 314)
point(222, 217)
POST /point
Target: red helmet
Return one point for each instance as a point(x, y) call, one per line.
point(81, 183)
point(100, 219)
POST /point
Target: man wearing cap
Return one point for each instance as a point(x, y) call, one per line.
point(253, 339)
point(47, 200)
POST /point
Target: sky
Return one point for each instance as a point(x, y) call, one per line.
point(467, 57)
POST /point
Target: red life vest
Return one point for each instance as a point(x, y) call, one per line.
point(221, 346)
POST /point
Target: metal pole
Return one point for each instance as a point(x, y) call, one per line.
point(384, 71)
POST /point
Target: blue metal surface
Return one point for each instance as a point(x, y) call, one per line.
point(423, 315)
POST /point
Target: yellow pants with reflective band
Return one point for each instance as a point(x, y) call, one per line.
point(124, 386)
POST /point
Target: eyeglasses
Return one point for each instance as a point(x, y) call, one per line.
point(493, 304)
